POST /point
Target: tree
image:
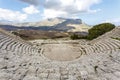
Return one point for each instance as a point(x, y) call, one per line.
point(74, 36)
point(100, 29)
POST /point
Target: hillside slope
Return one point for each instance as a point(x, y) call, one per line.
point(115, 33)
point(55, 24)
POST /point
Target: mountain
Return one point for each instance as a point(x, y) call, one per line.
point(55, 24)
point(46, 22)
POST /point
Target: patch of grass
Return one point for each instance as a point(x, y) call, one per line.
point(115, 38)
point(75, 37)
point(4, 67)
point(110, 56)
point(95, 68)
point(15, 42)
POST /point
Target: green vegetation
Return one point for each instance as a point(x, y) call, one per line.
point(100, 29)
point(110, 56)
point(75, 36)
point(95, 68)
point(116, 38)
point(15, 33)
point(96, 31)
point(4, 67)
point(15, 42)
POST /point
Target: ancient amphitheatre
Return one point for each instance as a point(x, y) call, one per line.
point(98, 59)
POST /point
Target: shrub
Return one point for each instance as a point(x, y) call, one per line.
point(95, 68)
point(99, 29)
point(15, 33)
point(116, 38)
point(76, 36)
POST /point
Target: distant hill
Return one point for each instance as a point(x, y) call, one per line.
point(54, 24)
point(115, 33)
point(38, 34)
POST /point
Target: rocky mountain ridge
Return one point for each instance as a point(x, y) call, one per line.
point(55, 24)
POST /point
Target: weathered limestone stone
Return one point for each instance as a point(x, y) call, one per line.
point(59, 59)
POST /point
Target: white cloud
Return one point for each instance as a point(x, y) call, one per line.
point(9, 15)
point(62, 8)
point(51, 13)
point(51, 9)
point(30, 10)
point(114, 21)
point(32, 2)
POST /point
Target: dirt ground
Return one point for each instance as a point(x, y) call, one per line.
point(61, 52)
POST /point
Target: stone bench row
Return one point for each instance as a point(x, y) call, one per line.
point(14, 45)
point(31, 71)
point(102, 46)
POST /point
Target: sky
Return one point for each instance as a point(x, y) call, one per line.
point(90, 11)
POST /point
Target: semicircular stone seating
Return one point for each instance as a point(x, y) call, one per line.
point(99, 60)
